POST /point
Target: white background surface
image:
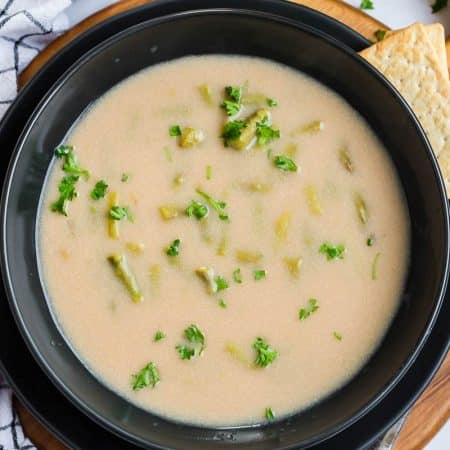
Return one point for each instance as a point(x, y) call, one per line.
point(394, 13)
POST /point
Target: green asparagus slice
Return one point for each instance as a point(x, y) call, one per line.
point(124, 272)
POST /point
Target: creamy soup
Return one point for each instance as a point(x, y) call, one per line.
point(223, 240)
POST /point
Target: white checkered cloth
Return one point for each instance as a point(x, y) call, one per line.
point(26, 27)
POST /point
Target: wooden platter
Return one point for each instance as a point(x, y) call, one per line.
point(432, 409)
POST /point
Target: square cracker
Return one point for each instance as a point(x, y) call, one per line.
point(436, 36)
point(409, 61)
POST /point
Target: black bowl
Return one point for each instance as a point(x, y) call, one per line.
point(223, 31)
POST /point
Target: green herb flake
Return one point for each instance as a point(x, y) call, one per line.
point(338, 336)
point(120, 212)
point(222, 303)
point(185, 352)
point(231, 108)
point(197, 210)
point(380, 34)
point(237, 276)
point(147, 376)
point(234, 93)
point(232, 130)
point(67, 193)
point(366, 4)
point(159, 335)
point(218, 205)
point(269, 414)
point(265, 354)
point(375, 266)
point(271, 102)
point(174, 248)
point(370, 240)
point(259, 274)
point(310, 308)
point(265, 133)
point(70, 164)
point(175, 130)
point(99, 190)
point(438, 5)
point(332, 251)
point(221, 283)
point(284, 163)
point(125, 178)
point(193, 334)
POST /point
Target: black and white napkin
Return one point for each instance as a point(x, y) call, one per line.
point(26, 27)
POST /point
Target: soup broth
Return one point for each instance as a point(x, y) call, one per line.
point(238, 246)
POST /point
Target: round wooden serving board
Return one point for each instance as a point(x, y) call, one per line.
point(432, 410)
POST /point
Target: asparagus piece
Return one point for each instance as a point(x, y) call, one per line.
point(113, 225)
point(125, 274)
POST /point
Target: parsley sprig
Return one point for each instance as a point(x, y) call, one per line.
point(67, 192)
point(174, 248)
point(310, 308)
point(218, 205)
point(332, 251)
point(284, 163)
point(265, 353)
point(147, 376)
point(265, 133)
point(99, 190)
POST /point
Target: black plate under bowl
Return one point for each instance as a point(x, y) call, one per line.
point(281, 434)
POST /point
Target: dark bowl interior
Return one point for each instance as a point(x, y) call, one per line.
point(246, 33)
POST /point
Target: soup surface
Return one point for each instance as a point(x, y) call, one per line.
point(235, 273)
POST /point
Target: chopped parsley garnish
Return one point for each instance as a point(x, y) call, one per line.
point(438, 5)
point(265, 133)
point(218, 205)
point(193, 334)
point(158, 336)
point(269, 414)
point(337, 335)
point(148, 376)
point(380, 34)
point(197, 210)
point(222, 303)
point(185, 352)
point(125, 178)
point(232, 130)
point(366, 4)
point(232, 105)
point(120, 212)
point(175, 130)
point(271, 102)
point(237, 276)
point(370, 240)
point(63, 150)
point(284, 163)
point(231, 108)
point(310, 308)
point(174, 248)
point(99, 190)
point(221, 283)
point(265, 353)
point(332, 251)
point(70, 165)
point(67, 193)
point(259, 274)
point(234, 92)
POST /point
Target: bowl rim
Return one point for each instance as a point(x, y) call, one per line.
point(14, 305)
